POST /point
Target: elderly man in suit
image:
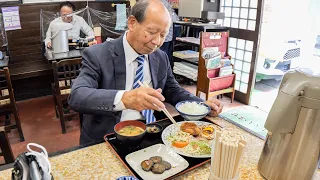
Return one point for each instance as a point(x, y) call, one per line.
point(107, 90)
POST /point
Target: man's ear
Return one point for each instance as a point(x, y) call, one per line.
point(132, 22)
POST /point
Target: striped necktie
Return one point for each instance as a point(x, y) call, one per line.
point(147, 114)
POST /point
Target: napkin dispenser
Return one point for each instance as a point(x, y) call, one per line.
point(292, 147)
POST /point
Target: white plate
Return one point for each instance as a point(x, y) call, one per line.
point(177, 162)
point(172, 129)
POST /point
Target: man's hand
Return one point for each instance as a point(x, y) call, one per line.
point(49, 45)
point(216, 107)
point(92, 43)
point(143, 98)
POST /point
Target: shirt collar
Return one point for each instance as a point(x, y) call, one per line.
point(130, 54)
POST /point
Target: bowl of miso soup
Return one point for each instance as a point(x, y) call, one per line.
point(131, 132)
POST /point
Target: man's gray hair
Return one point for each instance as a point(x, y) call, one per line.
point(140, 8)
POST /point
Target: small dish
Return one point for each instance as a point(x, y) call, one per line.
point(177, 162)
point(154, 129)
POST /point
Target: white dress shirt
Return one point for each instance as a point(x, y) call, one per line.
point(131, 67)
point(78, 24)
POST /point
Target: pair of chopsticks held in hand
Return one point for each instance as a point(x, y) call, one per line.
point(147, 86)
point(164, 110)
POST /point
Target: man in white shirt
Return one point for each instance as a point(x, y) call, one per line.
point(79, 24)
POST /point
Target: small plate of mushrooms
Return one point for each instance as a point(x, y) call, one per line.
point(156, 162)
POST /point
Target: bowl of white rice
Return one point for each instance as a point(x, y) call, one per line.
point(192, 110)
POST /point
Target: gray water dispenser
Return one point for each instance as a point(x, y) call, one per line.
point(291, 150)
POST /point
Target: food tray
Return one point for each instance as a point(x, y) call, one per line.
point(122, 151)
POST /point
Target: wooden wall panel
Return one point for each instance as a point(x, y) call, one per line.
point(23, 33)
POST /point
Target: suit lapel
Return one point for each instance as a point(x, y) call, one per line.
point(154, 64)
point(119, 62)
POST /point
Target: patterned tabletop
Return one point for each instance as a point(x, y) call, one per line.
point(98, 162)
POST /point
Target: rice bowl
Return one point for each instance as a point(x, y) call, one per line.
point(192, 110)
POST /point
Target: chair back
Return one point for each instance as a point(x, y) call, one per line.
point(5, 147)
point(64, 72)
point(6, 90)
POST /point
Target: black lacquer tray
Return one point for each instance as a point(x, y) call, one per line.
point(122, 151)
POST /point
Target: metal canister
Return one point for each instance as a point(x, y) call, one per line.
point(60, 41)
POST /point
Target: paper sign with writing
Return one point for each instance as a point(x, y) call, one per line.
point(11, 18)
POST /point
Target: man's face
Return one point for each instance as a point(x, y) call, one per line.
point(64, 11)
point(150, 34)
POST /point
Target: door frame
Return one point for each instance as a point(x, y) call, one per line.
point(251, 36)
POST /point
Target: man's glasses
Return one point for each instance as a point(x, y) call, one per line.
point(66, 15)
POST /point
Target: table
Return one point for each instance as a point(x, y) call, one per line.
point(98, 162)
point(74, 53)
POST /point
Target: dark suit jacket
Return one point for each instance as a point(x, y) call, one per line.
point(103, 73)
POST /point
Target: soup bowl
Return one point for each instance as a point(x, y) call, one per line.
point(130, 140)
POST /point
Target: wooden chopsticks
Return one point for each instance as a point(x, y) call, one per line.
point(228, 150)
point(166, 112)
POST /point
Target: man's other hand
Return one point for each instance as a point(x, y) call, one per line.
point(216, 107)
point(49, 45)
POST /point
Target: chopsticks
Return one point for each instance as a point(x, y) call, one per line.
point(228, 150)
point(169, 116)
point(164, 110)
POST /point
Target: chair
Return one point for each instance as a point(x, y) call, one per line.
point(5, 147)
point(8, 103)
point(64, 72)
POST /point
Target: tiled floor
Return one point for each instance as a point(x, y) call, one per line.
point(41, 126)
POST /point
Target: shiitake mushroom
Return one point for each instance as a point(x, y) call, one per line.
point(147, 164)
point(158, 168)
point(156, 165)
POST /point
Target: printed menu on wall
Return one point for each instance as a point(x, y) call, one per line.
point(11, 18)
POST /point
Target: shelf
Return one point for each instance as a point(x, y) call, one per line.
point(189, 40)
point(185, 69)
point(193, 61)
point(206, 26)
point(184, 77)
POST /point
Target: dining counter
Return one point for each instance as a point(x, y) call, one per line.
point(99, 162)
point(74, 53)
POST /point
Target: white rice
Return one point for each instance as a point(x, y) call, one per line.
point(192, 108)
